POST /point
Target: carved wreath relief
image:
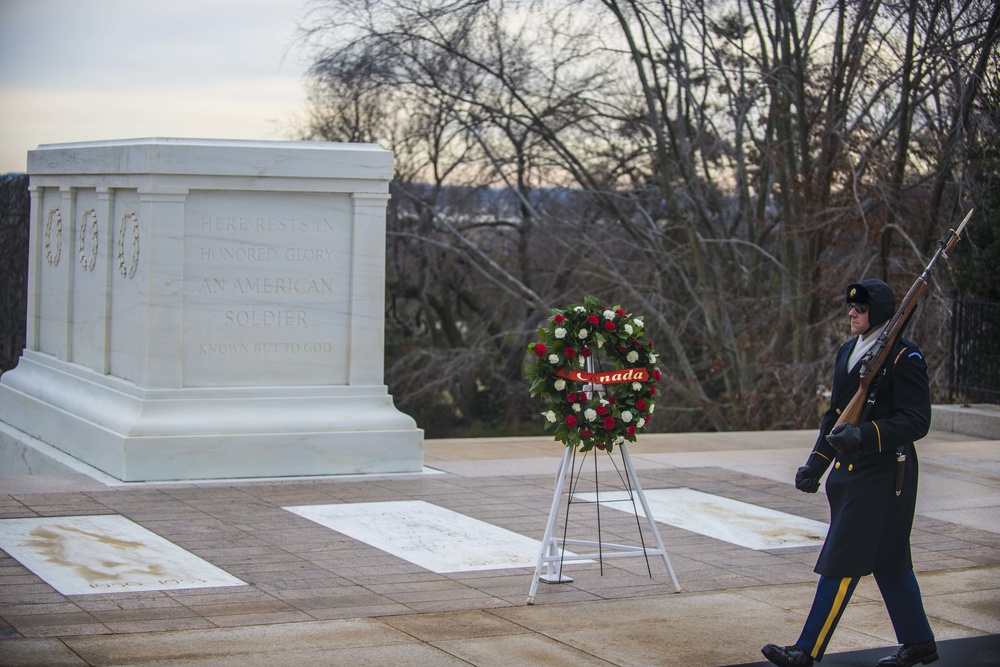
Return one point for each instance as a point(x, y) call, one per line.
point(127, 268)
point(88, 240)
point(53, 249)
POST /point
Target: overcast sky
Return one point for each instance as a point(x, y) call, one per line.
point(86, 70)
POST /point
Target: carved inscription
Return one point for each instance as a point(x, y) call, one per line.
point(264, 285)
point(267, 285)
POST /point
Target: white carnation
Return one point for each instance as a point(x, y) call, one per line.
point(627, 416)
point(632, 356)
point(651, 408)
point(652, 358)
point(590, 415)
point(580, 309)
point(560, 332)
point(628, 329)
point(609, 315)
point(582, 334)
point(576, 407)
point(638, 322)
point(637, 386)
point(551, 416)
point(560, 384)
point(641, 422)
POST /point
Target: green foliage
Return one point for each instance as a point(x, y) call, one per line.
point(14, 210)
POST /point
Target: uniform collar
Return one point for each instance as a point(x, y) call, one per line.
point(863, 344)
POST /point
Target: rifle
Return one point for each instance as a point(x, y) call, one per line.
point(875, 360)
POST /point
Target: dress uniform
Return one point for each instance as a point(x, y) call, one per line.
point(870, 516)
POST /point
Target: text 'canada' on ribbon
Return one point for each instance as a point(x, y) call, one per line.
point(611, 377)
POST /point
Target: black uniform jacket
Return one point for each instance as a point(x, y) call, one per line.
point(870, 524)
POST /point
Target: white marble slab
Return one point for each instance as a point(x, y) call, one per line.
point(724, 519)
point(78, 555)
point(424, 534)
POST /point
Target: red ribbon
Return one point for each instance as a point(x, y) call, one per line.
point(609, 377)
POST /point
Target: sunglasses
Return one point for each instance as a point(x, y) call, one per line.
point(859, 308)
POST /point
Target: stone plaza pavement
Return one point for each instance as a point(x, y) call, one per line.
point(317, 597)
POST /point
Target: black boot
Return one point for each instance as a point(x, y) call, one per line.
point(787, 656)
point(911, 654)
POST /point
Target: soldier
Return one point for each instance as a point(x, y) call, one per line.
point(872, 489)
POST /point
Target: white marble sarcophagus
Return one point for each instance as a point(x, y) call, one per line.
point(208, 309)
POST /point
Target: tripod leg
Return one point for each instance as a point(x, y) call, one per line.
point(548, 546)
point(630, 471)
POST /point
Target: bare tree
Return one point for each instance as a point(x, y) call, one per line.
point(723, 167)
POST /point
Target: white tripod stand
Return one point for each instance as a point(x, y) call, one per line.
point(551, 553)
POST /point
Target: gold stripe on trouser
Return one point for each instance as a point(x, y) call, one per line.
point(838, 604)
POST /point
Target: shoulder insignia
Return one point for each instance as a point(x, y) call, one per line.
point(915, 354)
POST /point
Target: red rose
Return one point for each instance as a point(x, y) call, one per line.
point(640, 404)
point(570, 421)
point(571, 397)
point(609, 423)
point(600, 446)
point(621, 349)
point(558, 319)
point(540, 350)
point(602, 410)
point(570, 353)
point(585, 353)
point(609, 325)
point(631, 430)
point(612, 399)
point(594, 319)
point(656, 374)
point(620, 311)
point(637, 343)
point(586, 434)
point(652, 391)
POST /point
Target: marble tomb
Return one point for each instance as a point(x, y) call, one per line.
point(205, 309)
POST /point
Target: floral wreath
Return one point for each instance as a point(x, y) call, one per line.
point(594, 408)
